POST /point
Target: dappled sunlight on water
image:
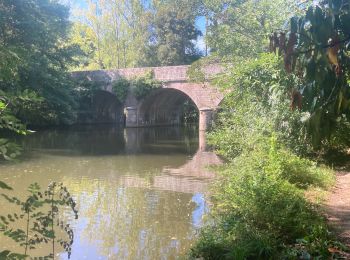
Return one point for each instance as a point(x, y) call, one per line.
point(140, 192)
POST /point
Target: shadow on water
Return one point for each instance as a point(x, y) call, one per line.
point(139, 192)
point(111, 140)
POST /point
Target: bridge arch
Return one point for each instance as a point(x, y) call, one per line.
point(163, 106)
point(101, 107)
point(167, 106)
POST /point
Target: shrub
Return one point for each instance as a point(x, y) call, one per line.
point(257, 105)
point(142, 86)
point(260, 210)
point(120, 88)
point(139, 86)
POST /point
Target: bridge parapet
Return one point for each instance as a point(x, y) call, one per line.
point(164, 74)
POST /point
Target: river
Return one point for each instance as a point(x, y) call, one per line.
point(140, 192)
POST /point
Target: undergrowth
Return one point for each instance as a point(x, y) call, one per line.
point(261, 212)
point(261, 208)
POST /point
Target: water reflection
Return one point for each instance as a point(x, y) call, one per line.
point(139, 191)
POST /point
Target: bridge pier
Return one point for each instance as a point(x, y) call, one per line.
point(131, 117)
point(205, 118)
point(132, 140)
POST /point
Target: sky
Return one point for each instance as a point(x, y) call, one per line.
point(200, 24)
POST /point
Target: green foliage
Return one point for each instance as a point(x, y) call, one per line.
point(257, 104)
point(3, 185)
point(84, 92)
point(195, 72)
point(237, 29)
point(11, 104)
point(9, 150)
point(40, 211)
point(189, 112)
point(140, 86)
point(8, 122)
point(340, 139)
point(35, 57)
point(143, 85)
point(317, 51)
point(175, 32)
point(112, 34)
point(121, 88)
point(7, 254)
point(129, 33)
point(260, 210)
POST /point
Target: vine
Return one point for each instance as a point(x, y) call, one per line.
point(140, 86)
point(195, 71)
point(120, 88)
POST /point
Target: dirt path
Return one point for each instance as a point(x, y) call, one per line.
point(338, 207)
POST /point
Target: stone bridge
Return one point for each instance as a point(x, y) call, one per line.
point(162, 106)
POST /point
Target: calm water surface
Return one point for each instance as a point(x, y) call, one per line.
point(139, 192)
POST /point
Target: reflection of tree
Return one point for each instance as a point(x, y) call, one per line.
point(135, 223)
point(102, 141)
point(131, 205)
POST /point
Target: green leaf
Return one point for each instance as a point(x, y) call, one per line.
point(3, 185)
point(4, 254)
point(345, 22)
point(336, 5)
point(294, 24)
point(7, 254)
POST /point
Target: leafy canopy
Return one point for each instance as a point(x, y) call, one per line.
point(238, 29)
point(257, 104)
point(35, 56)
point(317, 49)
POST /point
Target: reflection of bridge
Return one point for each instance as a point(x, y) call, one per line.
point(162, 106)
point(191, 177)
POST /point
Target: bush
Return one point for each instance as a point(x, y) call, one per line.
point(120, 88)
point(258, 103)
point(142, 86)
point(260, 210)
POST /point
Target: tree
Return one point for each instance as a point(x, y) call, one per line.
point(317, 50)
point(130, 33)
point(33, 42)
point(175, 32)
point(113, 33)
point(238, 29)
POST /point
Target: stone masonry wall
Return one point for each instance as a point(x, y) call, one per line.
point(175, 77)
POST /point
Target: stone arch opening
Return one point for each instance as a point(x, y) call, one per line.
point(107, 108)
point(101, 107)
point(167, 106)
